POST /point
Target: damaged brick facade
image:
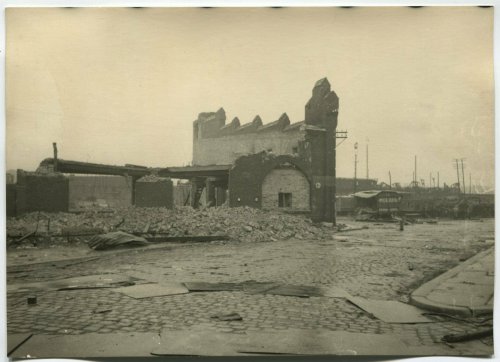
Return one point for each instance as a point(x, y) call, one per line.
point(277, 164)
point(40, 192)
point(217, 143)
point(154, 194)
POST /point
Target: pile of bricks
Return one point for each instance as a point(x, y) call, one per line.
point(240, 224)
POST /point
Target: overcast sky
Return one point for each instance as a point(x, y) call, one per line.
point(124, 85)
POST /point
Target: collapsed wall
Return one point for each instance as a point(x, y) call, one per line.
point(276, 165)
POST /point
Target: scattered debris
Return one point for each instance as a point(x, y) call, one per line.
point(218, 222)
point(474, 321)
point(192, 238)
point(116, 239)
point(295, 291)
point(153, 178)
point(83, 282)
point(227, 317)
point(455, 338)
point(253, 287)
point(32, 300)
point(98, 286)
point(351, 229)
point(13, 242)
point(80, 231)
point(334, 292)
point(152, 290)
point(213, 287)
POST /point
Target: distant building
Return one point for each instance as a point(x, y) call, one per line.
point(348, 186)
point(10, 179)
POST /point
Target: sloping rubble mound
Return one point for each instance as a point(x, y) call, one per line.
point(240, 224)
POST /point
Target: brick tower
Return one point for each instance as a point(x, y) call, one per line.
point(321, 114)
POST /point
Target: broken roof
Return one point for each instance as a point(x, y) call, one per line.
point(193, 171)
point(280, 124)
point(249, 127)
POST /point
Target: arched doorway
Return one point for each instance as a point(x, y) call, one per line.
point(286, 187)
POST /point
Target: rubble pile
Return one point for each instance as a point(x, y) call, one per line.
point(240, 224)
point(153, 178)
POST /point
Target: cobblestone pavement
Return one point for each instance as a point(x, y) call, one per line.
point(379, 263)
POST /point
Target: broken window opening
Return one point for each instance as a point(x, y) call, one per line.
point(284, 199)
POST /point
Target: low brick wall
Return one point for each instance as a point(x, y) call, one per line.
point(10, 200)
point(154, 194)
point(111, 191)
point(41, 192)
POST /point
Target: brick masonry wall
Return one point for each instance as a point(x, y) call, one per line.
point(114, 191)
point(289, 181)
point(38, 192)
point(248, 174)
point(225, 150)
point(154, 194)
point(10, 200)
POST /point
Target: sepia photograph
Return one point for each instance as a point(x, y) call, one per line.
point(249, 181)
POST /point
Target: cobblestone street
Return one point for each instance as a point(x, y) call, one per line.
point(380, 262)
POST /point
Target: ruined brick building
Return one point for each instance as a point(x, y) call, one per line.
point(272, 165)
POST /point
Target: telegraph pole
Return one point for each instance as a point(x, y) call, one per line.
point(367, 172)
point(390, 180)
point(415, 173)
point(470, 183)
point(54, 147)
point(458, 174)
point(463, 177)
point(355, 166)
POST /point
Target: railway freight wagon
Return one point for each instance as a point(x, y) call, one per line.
point(379, 202)
point(344, 205)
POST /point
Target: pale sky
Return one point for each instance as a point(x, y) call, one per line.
point(124, 85)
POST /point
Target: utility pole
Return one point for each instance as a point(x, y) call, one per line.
point(415, 173)
point(54, 147)
point(367, 170)
point(355, 166)
point(470, 183)
point(463, 177)
point(438, 180)
point(338, 135)
point(390, 180)
point(458, 174)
